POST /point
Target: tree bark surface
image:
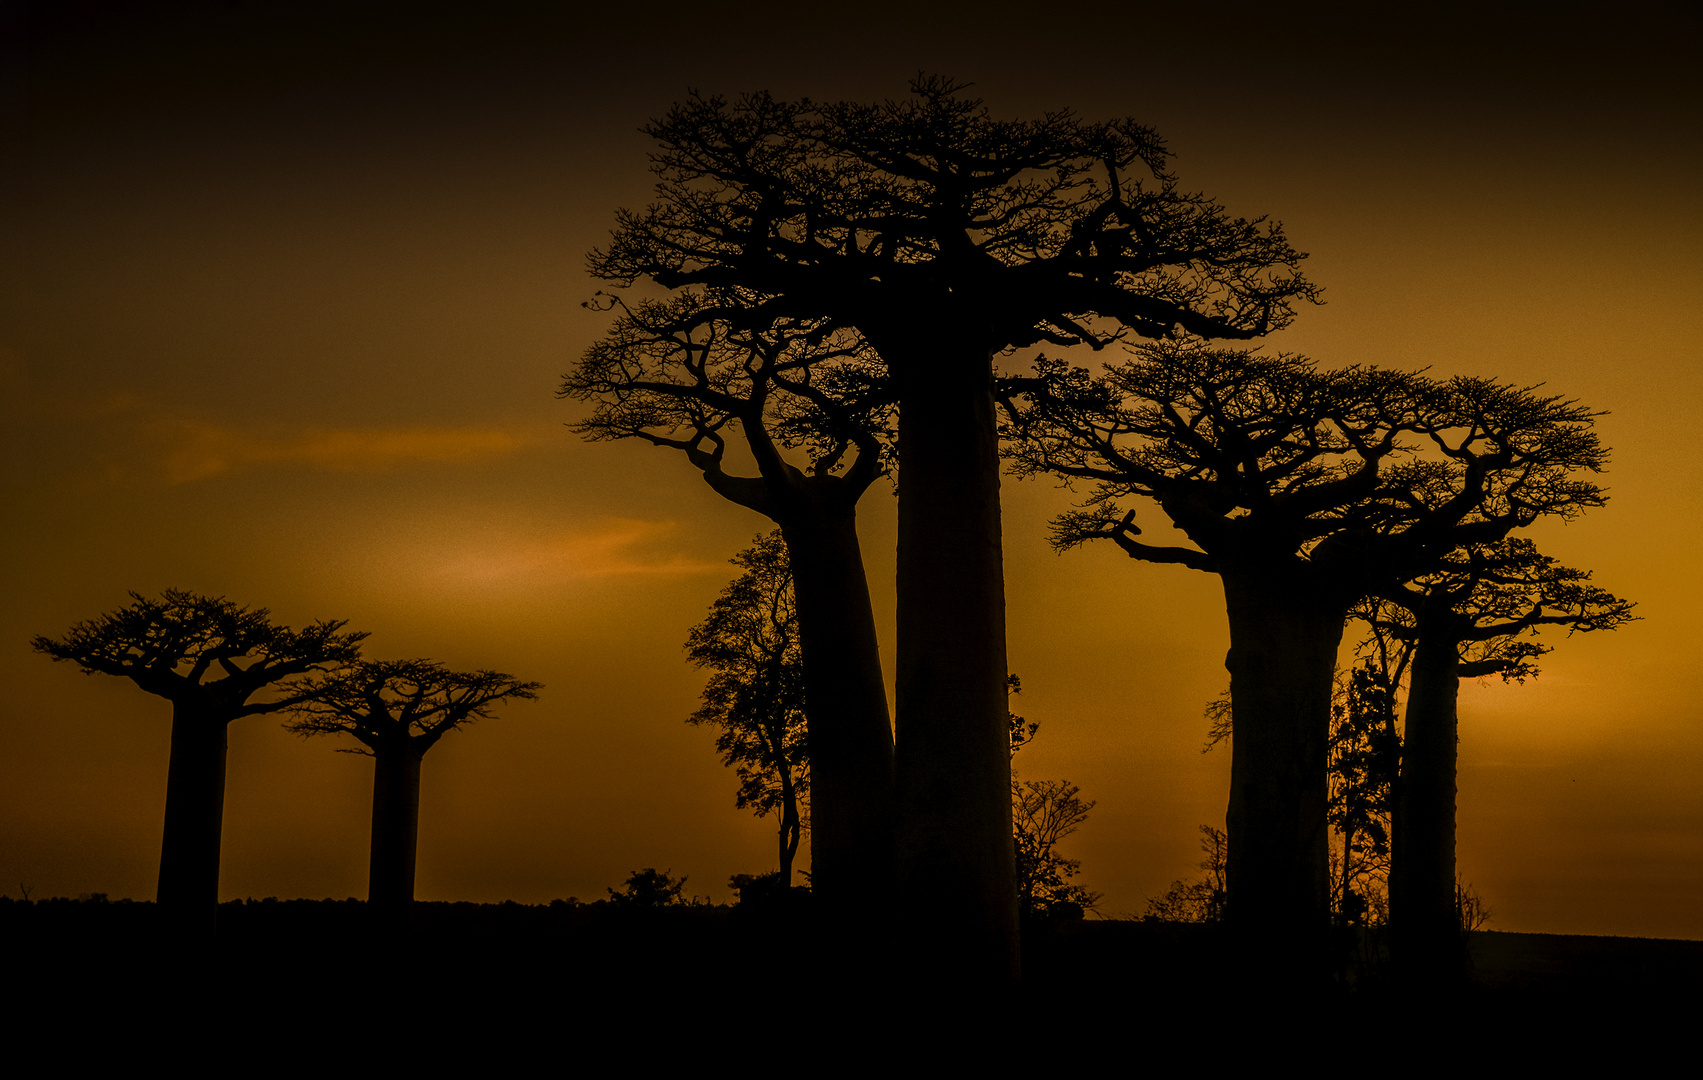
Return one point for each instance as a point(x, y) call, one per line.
point(396, 829)
point(1423, 918)
point(956, 860)
point(1284, 635)
point(195, 811)
point(845, 695)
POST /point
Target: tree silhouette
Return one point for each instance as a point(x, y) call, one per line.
point(944, 236)
point(1472, 616)
point(757, 695)
point(397, 710)
point(209, 658)
point(1201, 900)
point(651, 890)
point(1365, 754)
point(684, 373)
point(1303, 490)
point(1043, 812)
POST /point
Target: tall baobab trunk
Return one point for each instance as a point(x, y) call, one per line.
point(845, 707)
point(396, 829)
point(195, 812)
point(1284, 633)
point(1424, 923)
point(953, 757)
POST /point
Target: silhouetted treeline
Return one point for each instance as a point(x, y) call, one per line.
point(841, 278)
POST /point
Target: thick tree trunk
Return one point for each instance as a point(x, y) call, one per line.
point(396, 829)
point(845, 707)
point(1423, 919)
point(195, 812)
point(956, 859)
point(1284, 634)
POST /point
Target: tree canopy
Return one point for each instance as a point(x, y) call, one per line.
point(1013, 231)
point(1273, 456)
point(169, 647)
point(1492, 599)
point(397, 705)
point(684, 372)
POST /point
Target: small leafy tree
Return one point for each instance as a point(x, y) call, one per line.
point(651, 889)
point(1365, 754)
point(1043, 812)
point(756, 695)
point(1471, 911)
point(1201, 900)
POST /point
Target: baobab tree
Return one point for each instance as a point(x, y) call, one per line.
point(1303, 490)
point(944, 236)
point(397, 710)
point(1472, 616)
point(691, 371)
point(757, 696)
point(209, 658)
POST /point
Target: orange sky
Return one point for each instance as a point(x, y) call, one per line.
point(286, 297)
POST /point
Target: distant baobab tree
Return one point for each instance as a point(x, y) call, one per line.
point(691, 372)
point(943, 236)
point(1472, 616)
point(1303, 490)
point(756, 698)
point(209, 658)
point(397, 710)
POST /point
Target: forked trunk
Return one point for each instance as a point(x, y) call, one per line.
point(955, 853)
point(396, 829)
point(791, 832)
point(195, 811)
point(1424, 923)
point(845, 707)
point(1284, 634)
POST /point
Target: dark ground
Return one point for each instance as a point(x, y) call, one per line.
point(465, 971)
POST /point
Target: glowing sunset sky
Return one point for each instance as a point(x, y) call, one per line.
point(287, 296)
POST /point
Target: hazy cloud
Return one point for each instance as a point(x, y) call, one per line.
point(195, 450)
point(613, 547)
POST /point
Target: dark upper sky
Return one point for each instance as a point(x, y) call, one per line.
point(287, 292)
